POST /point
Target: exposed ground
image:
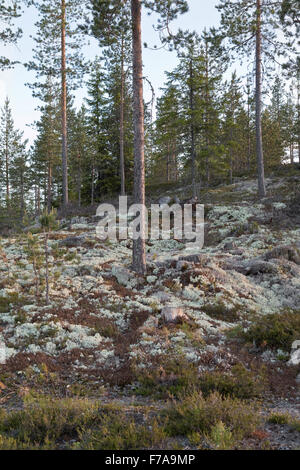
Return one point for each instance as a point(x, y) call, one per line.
point(102, 343)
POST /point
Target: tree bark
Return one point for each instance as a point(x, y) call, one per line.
point(7, 167)
point(64, 105)
point(49, 187)
point(93, 183)
point(122, 159)
point(298, 111)
point(47, 268)
point(79, 180)
point(22, 195)
point(258, 99)
point(139, 249)
point(192, 130)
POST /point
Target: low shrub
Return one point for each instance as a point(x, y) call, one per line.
point(277, 331)
point(198, 415)
point(177, 378)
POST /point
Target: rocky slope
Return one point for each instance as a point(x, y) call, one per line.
point(105, 327)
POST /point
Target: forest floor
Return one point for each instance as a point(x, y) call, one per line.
point(99, 368)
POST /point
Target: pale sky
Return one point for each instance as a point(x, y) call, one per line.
point(12, 82)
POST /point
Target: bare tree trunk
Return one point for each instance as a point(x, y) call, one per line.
point(292, 153)
point(207, 138)
point(49, 188)
point(258, 98)
point(7, 169)
point(298, 111)
point(22, 196)
point(122, 160)
point(248, 125)
point(47, 268)
point(192, 131)
point(139, 249)
point(64, 105)
point(79, 181)
point(93, 183)
point(37, 201)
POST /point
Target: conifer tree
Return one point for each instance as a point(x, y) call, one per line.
point(95, 104)
point(57, 55)
point(111, 12)
point(118, 54)
point(47, 145)
point(167, 137)
point(9, 10)
point(11, 145)
point(233, 109)
point(251, 28)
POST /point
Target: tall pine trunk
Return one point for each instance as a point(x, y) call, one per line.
point(49, 186)
point(298, 110)
point(192, 130)
point(139, 249)
point(64, 105)
point(7, 167)
point(79, 179)
point(258, 99)
point(46, 266)
point(93, 183)
point(122, 159)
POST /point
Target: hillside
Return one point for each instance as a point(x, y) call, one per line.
point(104, 343)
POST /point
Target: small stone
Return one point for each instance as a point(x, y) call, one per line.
point(295, 358)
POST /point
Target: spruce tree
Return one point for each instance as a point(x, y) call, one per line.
point(10, 145)
point(47, 145)
point(95, 103)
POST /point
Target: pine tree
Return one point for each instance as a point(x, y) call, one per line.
point(9, 10)
point(110, 11)
point(250, 26)
point(57, 55)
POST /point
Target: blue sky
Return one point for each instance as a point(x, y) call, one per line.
point(12, 83)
